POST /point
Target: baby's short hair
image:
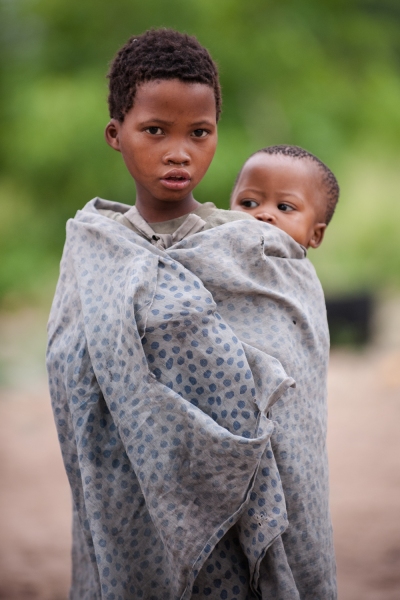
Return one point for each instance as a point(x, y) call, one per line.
point(158, 54)
point(328, 178)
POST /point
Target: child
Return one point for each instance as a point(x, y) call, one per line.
point(164, 102)
point(196, 469)
point(290, 188)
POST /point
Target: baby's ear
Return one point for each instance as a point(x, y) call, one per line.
point(317, 236)
point(111, 134)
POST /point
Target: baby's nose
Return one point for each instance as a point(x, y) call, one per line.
point(266, 217)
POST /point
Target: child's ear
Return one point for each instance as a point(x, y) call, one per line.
point(318, 235)
point(111, 134)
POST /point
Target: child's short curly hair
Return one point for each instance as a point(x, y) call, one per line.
point(158, 54)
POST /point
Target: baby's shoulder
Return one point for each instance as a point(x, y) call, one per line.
point(219, 216)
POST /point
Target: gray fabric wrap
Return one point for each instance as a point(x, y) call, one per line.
point(172, 383)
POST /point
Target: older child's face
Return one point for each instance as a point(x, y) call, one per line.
point(167, 140)
point(286, 192)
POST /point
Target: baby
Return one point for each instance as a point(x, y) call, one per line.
point(290, 188)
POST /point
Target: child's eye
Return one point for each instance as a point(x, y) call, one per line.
point(285, 207)
point(249, 203)
point(154, 130)
point(200, 133)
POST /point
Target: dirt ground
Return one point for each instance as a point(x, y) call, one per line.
point(364, 448)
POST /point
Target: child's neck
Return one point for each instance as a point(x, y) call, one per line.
point(159, 211)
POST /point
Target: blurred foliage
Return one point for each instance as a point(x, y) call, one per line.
point(322, 74)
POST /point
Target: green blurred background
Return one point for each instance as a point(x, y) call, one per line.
point(322, 74)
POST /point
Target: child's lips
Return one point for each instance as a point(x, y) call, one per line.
point(176, 179)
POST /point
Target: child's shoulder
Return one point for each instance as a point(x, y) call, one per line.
point(209, 214)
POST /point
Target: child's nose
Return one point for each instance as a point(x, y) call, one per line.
point(177, 163)
point(177, 158)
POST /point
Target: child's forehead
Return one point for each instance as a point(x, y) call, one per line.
point(166, 94)
point(174, 82)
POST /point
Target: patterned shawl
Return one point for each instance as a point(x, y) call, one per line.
point(189, 392)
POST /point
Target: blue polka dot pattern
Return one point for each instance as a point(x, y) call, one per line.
point(196, 468)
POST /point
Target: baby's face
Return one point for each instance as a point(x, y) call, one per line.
point(286, 192)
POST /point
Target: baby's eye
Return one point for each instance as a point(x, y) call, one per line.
point(285, 207)
point(249, 203)
point(200, 133)
point(154, 130)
